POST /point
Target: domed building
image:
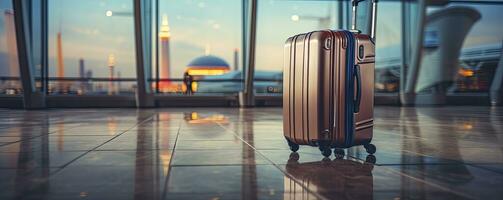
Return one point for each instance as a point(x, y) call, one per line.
point(207, 65)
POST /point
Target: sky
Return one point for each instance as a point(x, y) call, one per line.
point(198, 24)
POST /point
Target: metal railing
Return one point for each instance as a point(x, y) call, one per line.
point(127, 86)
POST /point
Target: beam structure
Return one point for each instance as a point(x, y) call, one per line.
point(32, 98)
point(143, 40)
point(496, 90)
point(246, 98)
point(407, 93)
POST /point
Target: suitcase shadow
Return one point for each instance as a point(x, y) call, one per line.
point(333, 179)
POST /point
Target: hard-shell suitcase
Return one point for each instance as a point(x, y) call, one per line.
point(328, 88)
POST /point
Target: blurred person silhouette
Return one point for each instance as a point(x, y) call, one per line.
point(187, 79)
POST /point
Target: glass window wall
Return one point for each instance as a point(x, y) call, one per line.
point(388, 47)
point(10, 83)
point(276, 22)
point(198, 48)
point(91, 47)
point(481, 50)
point(461, 48)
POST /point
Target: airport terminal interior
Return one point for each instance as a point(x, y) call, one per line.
point(183, 99)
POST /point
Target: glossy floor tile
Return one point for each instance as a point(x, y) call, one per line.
point(230, 153)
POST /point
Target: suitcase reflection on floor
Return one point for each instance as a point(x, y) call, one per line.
point(333, 179)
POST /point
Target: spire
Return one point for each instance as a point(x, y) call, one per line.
point(111, 60)
point(164, 33)
point(207, 49)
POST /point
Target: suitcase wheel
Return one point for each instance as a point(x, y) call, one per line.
point(339, 153)
point(370, 159)
point(326, 151)
point(293, 147)
point(294, 157)
point(370, 148)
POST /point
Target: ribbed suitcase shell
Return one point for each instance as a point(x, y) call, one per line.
point(319, 88)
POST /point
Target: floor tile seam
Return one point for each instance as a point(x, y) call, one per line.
point(274, 164)
point(400, 134)
point(66, 151)
point(420, 164)
point(231, 192)
point(205, 140)
point(220, 164)
point(17, 168)
point(209, 149)
point(37, 136)
point(160, 165)
point(132, 150)
point(434, 185)
point(166, 180)
point(430, 156)
point(88, 151)
point(485, 168)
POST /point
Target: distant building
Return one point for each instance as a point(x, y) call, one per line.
point(61, 65)
point(82, 69)
point(236, 59)
point(82, 75)
point(89, 75)
point(207, 66)
point(10, 37)
point(111, 66)
point(119, 82)
point(164, 65)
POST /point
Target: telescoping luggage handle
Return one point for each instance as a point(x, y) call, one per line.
point(373, 20)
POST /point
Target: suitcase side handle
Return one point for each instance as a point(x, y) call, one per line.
point(358, 79)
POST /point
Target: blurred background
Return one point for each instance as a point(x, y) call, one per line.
point(428, 52)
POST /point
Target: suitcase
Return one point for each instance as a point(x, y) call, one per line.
point(332, 179)
point(328, 89)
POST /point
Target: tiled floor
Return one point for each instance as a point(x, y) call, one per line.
point(226, 153)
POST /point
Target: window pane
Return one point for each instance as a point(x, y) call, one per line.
point(277, 21)
point(38, 52)
point(199, 41)
point(462, 47)
point(91, 47)
point(388, 47)
point(9, 66)
point(481, 50)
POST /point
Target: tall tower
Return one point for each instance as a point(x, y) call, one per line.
point(89, 75)
point(119, 82)
point(111, 65)
point(10, 37)
point(82, 68)
point(61, 65)
point(82, 74)
point(164, 71)
point(236, 59)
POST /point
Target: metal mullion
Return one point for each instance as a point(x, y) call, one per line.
point(157, 46)
point(32, 98)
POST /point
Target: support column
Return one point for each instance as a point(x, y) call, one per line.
point(340, 15)
point(247, 97)
point(142, 27)
point(406, 47)
point(33, 99)
point(496, 91)
point(409, 76)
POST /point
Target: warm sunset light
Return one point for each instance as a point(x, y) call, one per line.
point(251, 99)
